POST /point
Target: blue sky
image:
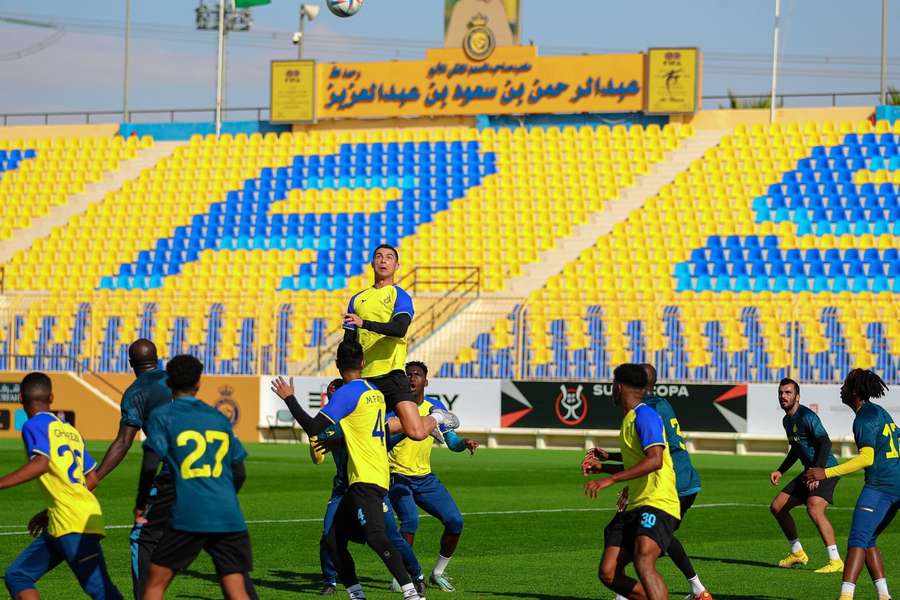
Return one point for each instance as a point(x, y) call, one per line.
point(828, 45)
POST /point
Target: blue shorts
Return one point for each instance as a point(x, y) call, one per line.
point(429, 493)
point(873, 513)
point(83, 555)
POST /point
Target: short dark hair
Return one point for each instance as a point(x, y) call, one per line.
point(388, 247)
point(333, 386)
point(36, 387)
point(865, 384)
point(349, 356)
point(788, 380)
point(631, 375)
point(184, 372)
point(419, 365)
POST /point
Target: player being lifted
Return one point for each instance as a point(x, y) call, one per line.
point(148, 392)
point(359, 408)
point(72, 526)
point(338, 491)
point(809, 442)
point(378, 318)
point(643, 532)
point(878, 441)
point(413, 484)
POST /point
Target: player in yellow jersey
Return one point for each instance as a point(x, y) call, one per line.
point(643, 531)
point(360, 409)
point(414, 485)
point(379, 318)
point(72, 526)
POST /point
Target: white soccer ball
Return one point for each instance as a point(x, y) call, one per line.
point(344, 8)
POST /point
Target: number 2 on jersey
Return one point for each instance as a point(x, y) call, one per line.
point(188, 470)
point(677, 428)
point(889, 430)
point(378, 431)
point(76, 462)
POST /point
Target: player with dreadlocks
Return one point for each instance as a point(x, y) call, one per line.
point(878, 441)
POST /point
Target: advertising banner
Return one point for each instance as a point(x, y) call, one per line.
point(512, 80)
point(292, 91)
point(475, 401)
point(673, 80)
point(765, 414)
point(589, 405)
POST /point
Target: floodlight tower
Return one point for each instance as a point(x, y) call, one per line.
point(222, 17)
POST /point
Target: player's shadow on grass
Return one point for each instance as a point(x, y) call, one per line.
point(533, 595)
point(283, 580)
point(737, 561)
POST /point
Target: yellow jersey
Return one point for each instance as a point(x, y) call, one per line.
point(71, 507)
point(360, 409)
point(383, 353)
point(642, 428)
point(410, 457)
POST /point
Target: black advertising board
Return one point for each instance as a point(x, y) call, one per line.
point(589, 405)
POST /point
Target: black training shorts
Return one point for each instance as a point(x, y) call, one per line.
point(394, 386)
point(360, 515)
point(646, 521)
point(797, 489)
point(230, 552)
point(686, 503)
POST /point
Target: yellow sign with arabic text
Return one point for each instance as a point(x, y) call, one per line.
point(513, 80)
point(293, 91)
point(673, 80)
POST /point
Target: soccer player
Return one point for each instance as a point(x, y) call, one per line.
point(360, 409)
point(199, 446)
point(878, 440)
point(643, 532)
point(809, 442)
point(687, 480)
point(72, 526)
point(413, 483)
point(378, 318)
point(338, 491)
point(148, 392)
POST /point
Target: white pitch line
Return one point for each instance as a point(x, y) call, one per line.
point(467, 514)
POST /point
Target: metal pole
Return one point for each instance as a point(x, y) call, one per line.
point(219, 66)
point(300, 43)
point(883, 51)
point(774, 61)
point(127, 44)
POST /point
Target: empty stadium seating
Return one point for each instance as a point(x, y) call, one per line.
point(243, 249)
point(36, 175)
point(776, 253)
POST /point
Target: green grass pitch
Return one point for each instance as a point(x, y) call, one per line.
point(530, 532)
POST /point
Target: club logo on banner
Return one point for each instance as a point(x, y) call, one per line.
point(589, 405)
point(227, 406)
point(571, 405)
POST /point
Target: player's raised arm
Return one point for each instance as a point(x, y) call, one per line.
point(311, 425)
point(117, 450)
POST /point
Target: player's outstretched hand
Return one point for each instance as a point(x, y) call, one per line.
point(139, 517)
point(471, 446)
point(814, 474)
point(775, 477)
point(38, 523)
point(591, 466)
point(592, 488)
point(351, 319)
point(622, 500)
point(597, 454)
point(282, 388)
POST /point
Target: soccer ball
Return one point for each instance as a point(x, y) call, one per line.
point(344, 8)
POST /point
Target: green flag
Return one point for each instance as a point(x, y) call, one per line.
point(249, 3)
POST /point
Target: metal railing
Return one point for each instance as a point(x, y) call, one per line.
point(715, 340)
point(261, 113)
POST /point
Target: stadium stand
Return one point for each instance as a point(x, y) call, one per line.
point(242, 249)
point(36, 175)
point(776, 252)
